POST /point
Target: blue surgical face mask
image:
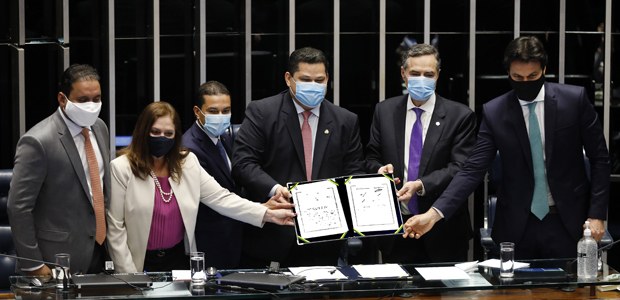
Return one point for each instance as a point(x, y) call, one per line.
point(216, 125)
point(310, 94)
point(420, 88)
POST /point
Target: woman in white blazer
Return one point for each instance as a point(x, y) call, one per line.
point(156, 189)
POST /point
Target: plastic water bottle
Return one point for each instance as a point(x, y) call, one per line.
point(587, 255)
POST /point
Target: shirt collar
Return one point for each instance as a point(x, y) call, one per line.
point(428, 106)
point(315, 111)
point(539, 98)
point(74, 129)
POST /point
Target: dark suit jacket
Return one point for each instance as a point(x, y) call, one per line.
point(269, 150)
point(449, 139)
point(50, 208)
point(571, 126)
point(217, 236)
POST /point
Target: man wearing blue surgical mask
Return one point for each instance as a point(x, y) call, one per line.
point(423, 139)
point(296, 135)
point(219, 237)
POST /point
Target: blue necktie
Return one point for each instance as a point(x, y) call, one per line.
point(415, 153)
point(540, 206)
point(220, 148)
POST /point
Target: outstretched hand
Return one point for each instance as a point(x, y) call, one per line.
point(279, 216)
point(418, 225)
point(408, 190)
point(279, 210)
point(388, 169)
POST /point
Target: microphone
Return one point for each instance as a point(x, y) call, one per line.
point(65, 283)
point(608, 246)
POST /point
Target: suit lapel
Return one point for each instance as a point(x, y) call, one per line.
point(435, 128)
point(294, 130)
point(67, 142)
point(551, 107)
point(400, 116)
point(226, 141)
point(515, 118)
point(324, 131)
point(210, 150)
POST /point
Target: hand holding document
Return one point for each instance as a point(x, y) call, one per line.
point(343, 207)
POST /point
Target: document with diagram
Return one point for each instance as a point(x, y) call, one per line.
point(344, 207)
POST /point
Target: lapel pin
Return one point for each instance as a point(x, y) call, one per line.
point(326, 131)
point(437, 123)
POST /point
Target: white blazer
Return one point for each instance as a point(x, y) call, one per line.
point(131, 209)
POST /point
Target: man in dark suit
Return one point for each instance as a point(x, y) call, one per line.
point(61, 180)
point(448, 132)
point(294, 136)
point(541, 130)
point(219, 237)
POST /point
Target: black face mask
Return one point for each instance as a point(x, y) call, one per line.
point(527, 90)
point(160, 145)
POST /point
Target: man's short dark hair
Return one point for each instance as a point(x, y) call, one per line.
point(307, 55)
point(421, 50)
point(76, 73)
point(210, 88)
point(525, 49)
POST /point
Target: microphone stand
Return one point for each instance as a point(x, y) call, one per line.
point(65, 281)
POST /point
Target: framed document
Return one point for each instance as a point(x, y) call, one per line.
point(344, 207)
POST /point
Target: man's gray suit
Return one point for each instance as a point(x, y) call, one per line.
point(50, 208)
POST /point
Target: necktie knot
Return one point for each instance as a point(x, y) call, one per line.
point(86, 132)
point(532, 106)
point(307, 114)
point(418, 112)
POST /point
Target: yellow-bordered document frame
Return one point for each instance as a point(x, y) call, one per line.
point(344, 207)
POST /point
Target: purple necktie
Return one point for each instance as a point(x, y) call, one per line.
point(415, 153)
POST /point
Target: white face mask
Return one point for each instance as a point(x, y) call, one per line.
point(83, 114)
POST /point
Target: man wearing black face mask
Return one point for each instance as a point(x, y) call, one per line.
point(540, 130)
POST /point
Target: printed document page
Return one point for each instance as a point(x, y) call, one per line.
point(319, 210)
point(372, 204)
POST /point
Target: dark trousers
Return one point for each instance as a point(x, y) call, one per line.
point(97, 262)
point(546, 238)
point(166, 260)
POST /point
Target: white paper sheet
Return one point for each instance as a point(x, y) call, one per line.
point(372, 205)
point(318, 273)
point(380, 271)
point(442, 273)
point(319, 210)
point(168, 289)
point(475, 280)
point(494, 263)
point(181, 275)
